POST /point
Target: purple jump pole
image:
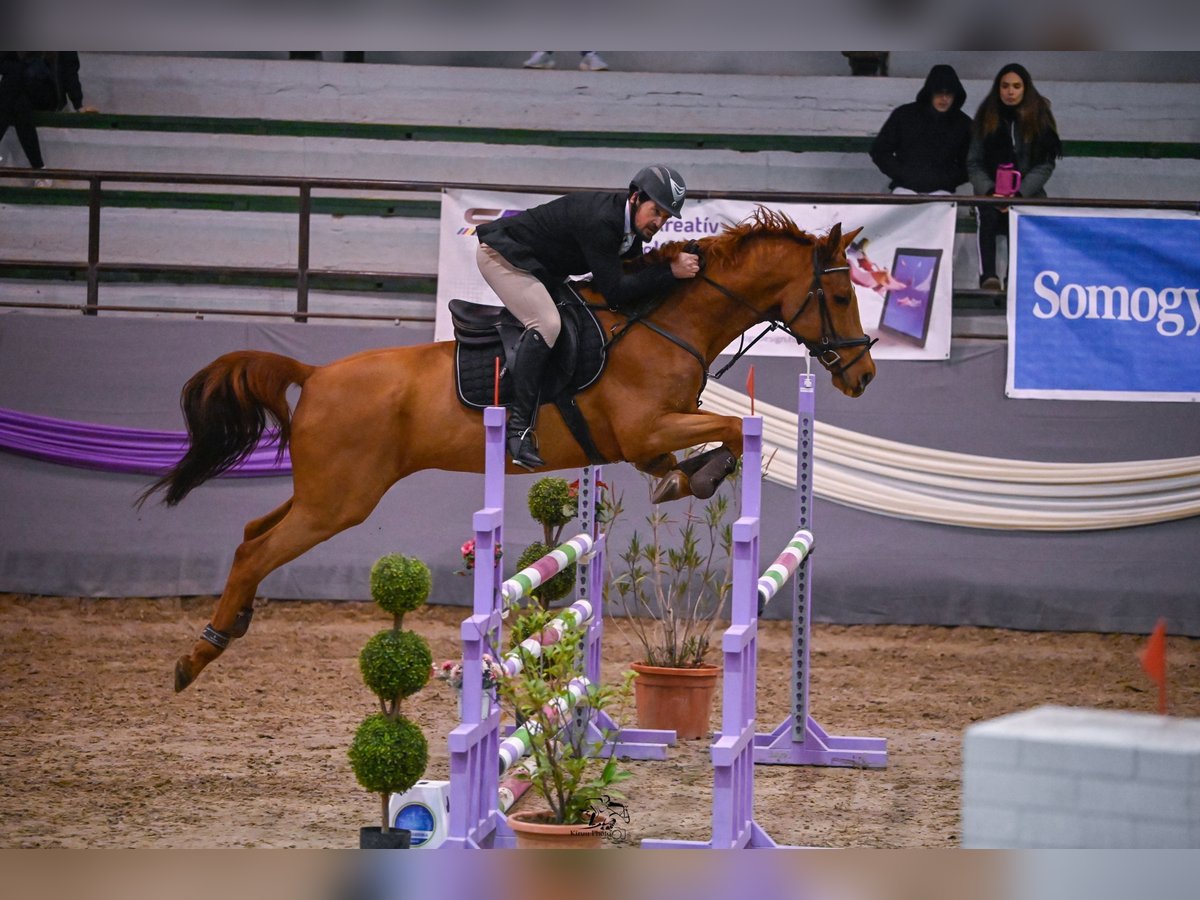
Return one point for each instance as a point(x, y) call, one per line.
point(798, 740)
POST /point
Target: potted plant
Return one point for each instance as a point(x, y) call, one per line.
point(389, 752)
point(569, 767)
point(671, 584)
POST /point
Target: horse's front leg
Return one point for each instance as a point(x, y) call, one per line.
point(698, 476)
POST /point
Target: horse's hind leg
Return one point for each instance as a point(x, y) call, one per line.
point(253, 529)
point(265, 523)
point(297, 530)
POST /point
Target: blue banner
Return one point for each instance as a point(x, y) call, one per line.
point(1104, 307)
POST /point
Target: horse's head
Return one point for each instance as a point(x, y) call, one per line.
point(819, 307)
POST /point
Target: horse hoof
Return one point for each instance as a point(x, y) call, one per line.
point(671, 486)
point(242, 623)
point(183, 677)
point(705, 482)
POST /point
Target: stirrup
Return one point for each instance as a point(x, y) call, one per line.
point(525, 455)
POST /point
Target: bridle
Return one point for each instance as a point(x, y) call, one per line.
point(825, 348)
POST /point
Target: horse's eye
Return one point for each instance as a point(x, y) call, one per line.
point(841, 299)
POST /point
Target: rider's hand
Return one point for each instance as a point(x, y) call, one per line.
point(685, 265)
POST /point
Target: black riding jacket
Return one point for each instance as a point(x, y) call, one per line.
point(576, 234)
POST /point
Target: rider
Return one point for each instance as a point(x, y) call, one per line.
point(521, 257)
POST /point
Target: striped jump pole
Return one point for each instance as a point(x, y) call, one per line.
point(577, 549)
point(518, 744)
point(784, 567)
point(576, 615)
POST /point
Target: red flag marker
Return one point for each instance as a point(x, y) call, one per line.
point(1154, 661)
point(750, 388)
point(496, 384)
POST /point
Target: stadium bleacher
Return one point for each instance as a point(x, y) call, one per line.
point(728, 131)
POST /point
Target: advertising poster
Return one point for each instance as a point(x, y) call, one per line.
point(900, 262)
point(1104, 305)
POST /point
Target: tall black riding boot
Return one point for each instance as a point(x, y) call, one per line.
point(528, 366)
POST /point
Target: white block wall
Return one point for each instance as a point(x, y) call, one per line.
point(1059, 777)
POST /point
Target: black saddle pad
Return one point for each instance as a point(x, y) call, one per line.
point(485, 334)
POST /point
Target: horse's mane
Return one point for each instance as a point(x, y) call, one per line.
point(732, 239)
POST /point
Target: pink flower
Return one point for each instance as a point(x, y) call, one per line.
point(468, 554)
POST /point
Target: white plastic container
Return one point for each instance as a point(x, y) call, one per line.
point(424, 810)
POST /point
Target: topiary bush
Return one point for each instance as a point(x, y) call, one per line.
point(395, 663)
point(400, 583)
point(553, 503)
point(389, 753)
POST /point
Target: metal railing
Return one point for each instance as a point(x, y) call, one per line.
point(304, 188)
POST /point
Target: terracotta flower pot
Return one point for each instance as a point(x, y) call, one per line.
point(679, 699)
point(533, 832)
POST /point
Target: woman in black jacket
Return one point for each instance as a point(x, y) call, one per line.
point(1013, 125)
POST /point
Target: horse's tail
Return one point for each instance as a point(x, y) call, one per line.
point(225, 406)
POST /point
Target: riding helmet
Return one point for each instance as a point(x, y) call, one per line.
point(663, 185)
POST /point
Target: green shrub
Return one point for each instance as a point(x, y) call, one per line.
point(552, 502)
point(388, 755)
point(400, 583)
point(395, 664)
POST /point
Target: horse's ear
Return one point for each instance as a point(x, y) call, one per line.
point(834, 238)
point(848, 239)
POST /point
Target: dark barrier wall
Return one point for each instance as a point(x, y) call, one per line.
point(75, 532)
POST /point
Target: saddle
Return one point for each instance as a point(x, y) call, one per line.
point(485, 333)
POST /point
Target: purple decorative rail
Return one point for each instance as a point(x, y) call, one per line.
point(108, 448)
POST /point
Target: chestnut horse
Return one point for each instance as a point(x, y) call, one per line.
point(364, 422)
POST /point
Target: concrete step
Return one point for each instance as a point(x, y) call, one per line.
point(567, 99)
point(1046, 65)
point(600, 167)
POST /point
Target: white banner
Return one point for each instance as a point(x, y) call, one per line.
point(901, 262)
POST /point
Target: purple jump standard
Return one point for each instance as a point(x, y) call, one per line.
point(476, 820)
point(736, 748)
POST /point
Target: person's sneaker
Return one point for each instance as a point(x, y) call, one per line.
point(991, 283)
point(593, 62)
point(541, 59)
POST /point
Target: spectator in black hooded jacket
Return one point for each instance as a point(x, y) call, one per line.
point(923, 145)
